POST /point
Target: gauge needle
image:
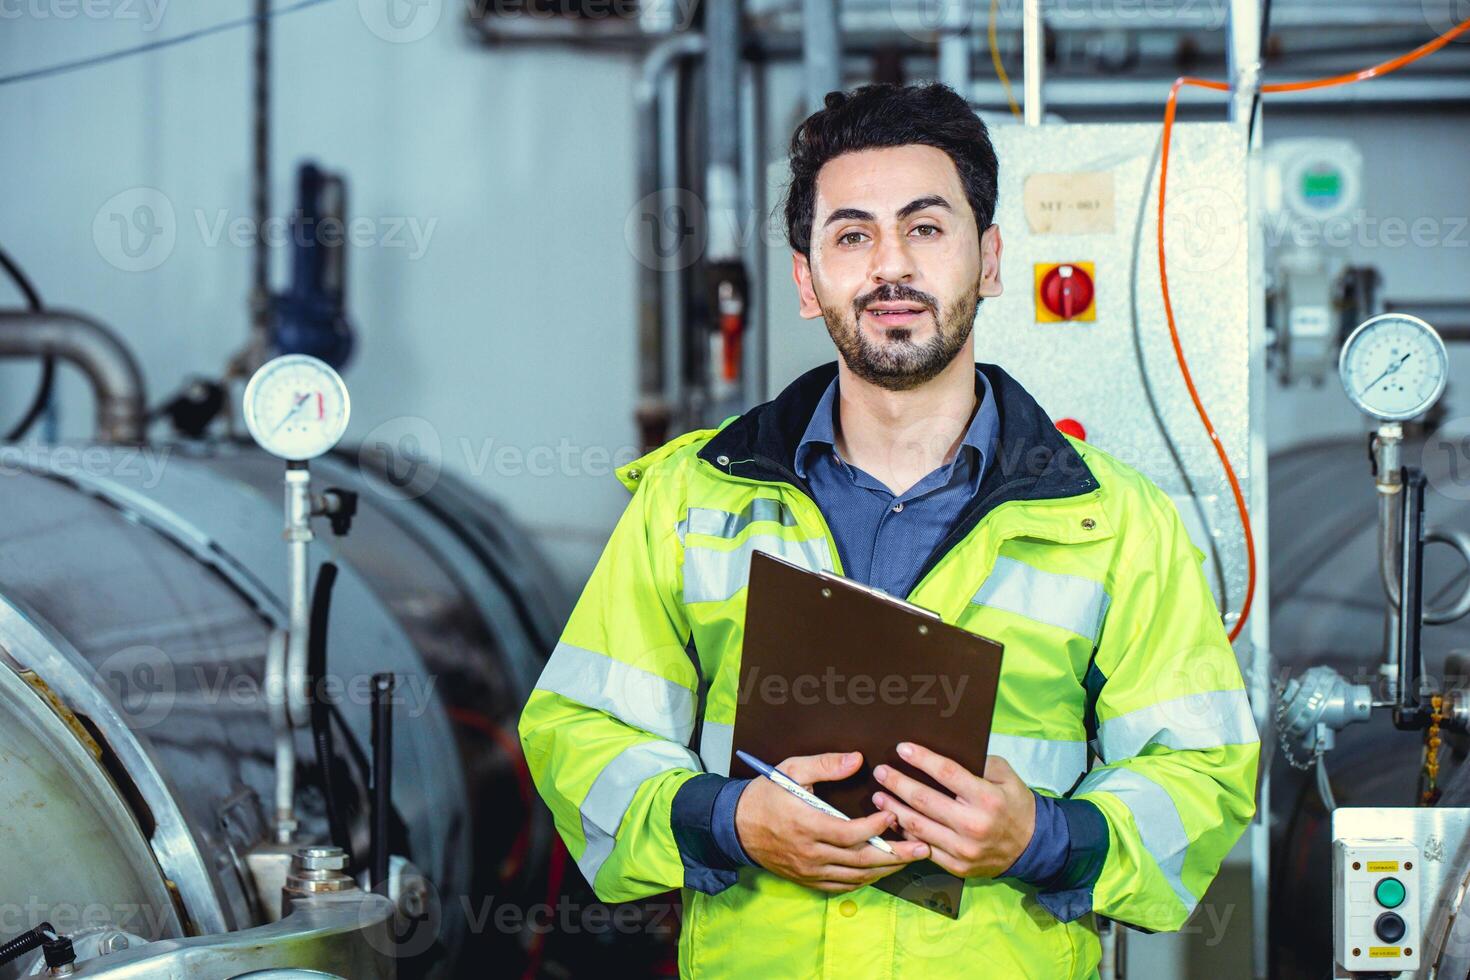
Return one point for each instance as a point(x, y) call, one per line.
point(1386, 372)
point(299, 402)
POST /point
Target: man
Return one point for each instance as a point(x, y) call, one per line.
point(906, 466)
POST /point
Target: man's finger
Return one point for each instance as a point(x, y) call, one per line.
point(930, 802)
point(855, 876)
point(918, 826)
point(867, 855)
point(904, 852)
point(946, 772)
point(948, 861)
point(998, 770)
point(846, 833)
point(829, 766)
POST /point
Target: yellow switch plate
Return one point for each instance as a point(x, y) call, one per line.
point(1043, 315)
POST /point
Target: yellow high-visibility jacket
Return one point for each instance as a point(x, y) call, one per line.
point(1119, 690)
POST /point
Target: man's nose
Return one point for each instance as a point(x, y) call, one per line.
point(892, 261)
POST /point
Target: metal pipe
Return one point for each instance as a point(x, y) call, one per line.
point(298, 537)
point(1033, 51)
point(1386, 452)
point(111, 369)
point(382, 777)
point(1143, 93)
point(260, 188)
point(722, 272)
point(753, 202)
point(672, 197)
point(285, 739)
point(1387, 445)
point(653, 410)
point(1388, 544)
point(1243, 59)
point(954, 45)
point(821, 50)
point(722, 124)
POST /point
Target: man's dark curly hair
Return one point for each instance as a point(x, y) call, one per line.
point(889, 115)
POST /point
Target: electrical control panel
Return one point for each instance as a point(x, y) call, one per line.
point(1081, 322)
point(1377, 904)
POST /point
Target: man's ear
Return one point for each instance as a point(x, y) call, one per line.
point(990, 247)
point(801, 271)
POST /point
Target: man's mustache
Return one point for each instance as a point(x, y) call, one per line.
point(895, 294)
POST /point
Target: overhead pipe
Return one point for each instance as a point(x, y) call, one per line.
point(1033, 51)
point(724, 269)
point(110, 368)
point(654, 412)
point(821, 50)
point(1243, 60)
point(1142, 94)
point(954, 45)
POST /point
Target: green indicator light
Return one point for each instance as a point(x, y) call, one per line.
point(1321, 183)
point(1389, 892)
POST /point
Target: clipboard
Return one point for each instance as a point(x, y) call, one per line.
point(831, 665)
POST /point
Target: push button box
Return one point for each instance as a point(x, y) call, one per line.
point(1376, 904)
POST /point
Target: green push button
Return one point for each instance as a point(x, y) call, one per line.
point(1389, 892)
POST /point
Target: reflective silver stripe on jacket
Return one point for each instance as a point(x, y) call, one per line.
point(716, 746)
point(1206, 720)
point(634, 696)
point(723, 524)
point(1156, 817)
point(613, 790)
point(1069, 602)
point(712, 575)
point(1050, 764)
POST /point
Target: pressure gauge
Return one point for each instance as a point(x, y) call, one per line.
point(1394, 366)
point(296, 407)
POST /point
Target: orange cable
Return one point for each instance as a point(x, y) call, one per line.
point(1170, 107)
point(1000, 68)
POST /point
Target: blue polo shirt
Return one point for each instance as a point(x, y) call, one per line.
point(883, 540)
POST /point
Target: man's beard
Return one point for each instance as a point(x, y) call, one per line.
point(899, 364)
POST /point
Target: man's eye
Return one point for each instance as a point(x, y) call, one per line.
point(843, 239)
point(932, 228)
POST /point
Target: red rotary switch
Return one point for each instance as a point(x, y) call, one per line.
point(1066, 291)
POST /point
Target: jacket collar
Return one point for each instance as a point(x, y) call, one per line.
point(1033, 461)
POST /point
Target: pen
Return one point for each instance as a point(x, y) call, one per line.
point(794, 788)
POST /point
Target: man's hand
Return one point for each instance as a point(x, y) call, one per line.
point(786, 836)
point(977, 833)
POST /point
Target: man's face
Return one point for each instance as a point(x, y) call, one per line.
point(897, 267)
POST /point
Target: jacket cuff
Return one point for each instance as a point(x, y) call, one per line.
point(708, 867)
point(1068, 895)
point(1046, 854)
point(722, 821)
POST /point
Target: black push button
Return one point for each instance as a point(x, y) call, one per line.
point(1390, 927)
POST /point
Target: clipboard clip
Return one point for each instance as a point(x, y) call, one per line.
point(877, 594)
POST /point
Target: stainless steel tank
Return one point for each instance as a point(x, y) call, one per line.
point(139, 588)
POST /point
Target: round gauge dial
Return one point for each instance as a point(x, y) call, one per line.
point(296, 407)
point(1394, 366)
